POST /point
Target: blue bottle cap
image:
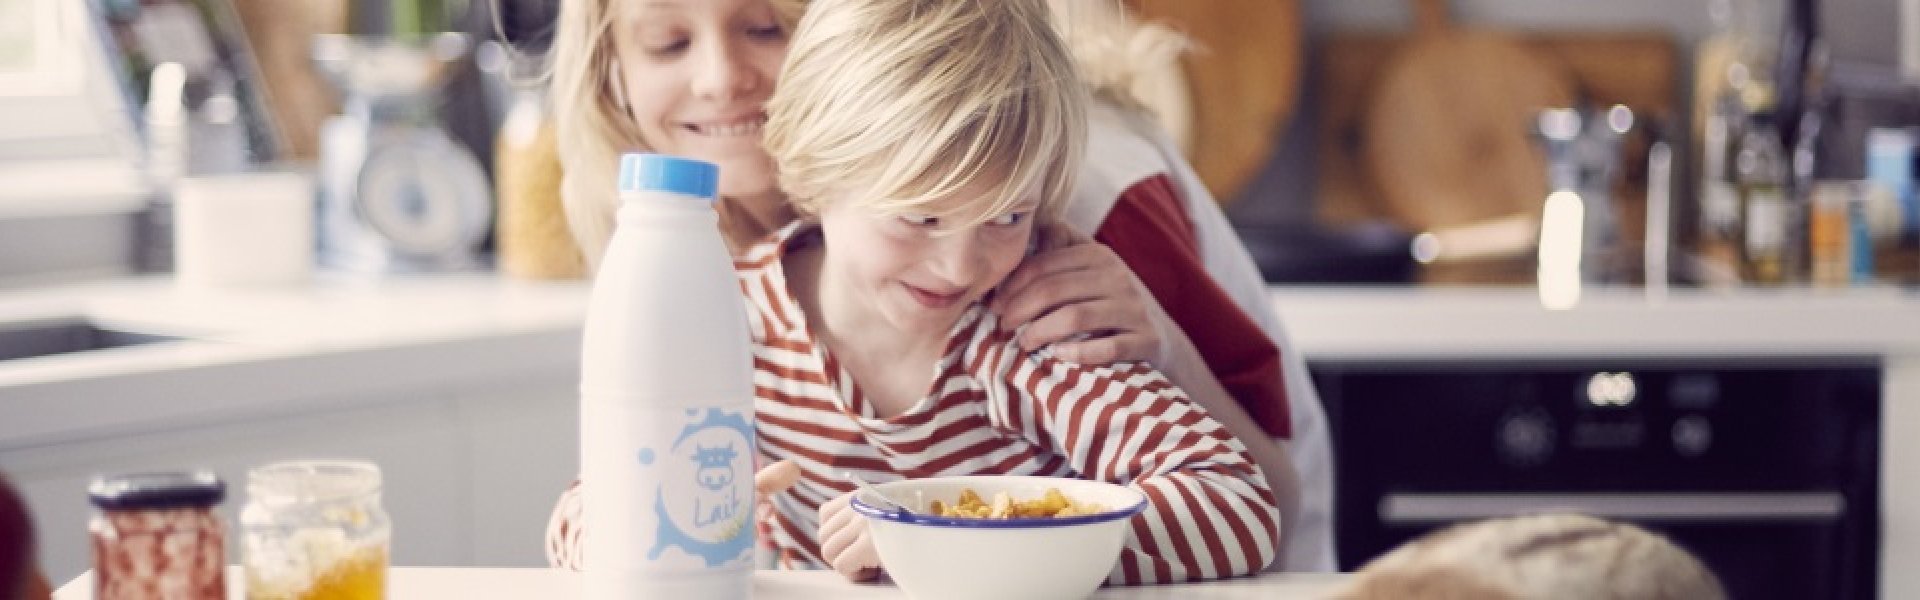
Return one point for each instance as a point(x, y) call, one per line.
point(662, 173)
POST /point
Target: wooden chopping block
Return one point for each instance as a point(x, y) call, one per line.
point(1638, 69)
point(1448, 136)
point(1243, 76)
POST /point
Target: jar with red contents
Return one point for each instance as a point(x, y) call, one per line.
point(156, 536)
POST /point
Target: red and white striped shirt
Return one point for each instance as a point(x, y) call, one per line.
point(996, 409)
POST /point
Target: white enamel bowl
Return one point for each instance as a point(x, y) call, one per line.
point(943, 558)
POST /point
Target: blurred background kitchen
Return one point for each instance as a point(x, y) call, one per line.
point(1648, 259)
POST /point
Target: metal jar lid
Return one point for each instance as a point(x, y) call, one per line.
point(157, 490)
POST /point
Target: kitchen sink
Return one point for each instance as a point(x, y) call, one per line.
point(66, 335)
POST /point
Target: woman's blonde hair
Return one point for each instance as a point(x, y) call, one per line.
point(591, 124)
point(903, 103)
point(1126, 61)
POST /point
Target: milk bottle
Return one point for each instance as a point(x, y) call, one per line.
point(666, 397)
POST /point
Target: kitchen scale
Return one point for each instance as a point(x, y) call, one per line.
point(397, 193)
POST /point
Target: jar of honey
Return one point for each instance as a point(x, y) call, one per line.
point(315, 530)
point(155, 536)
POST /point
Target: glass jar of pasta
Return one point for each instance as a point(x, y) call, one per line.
point(155, 536)
point(315, 530)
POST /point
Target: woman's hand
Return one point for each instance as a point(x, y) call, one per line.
point(844, 541)
point(1079, 296)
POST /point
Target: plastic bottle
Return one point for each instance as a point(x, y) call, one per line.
point(666, 397)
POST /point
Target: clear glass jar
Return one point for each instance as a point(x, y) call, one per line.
point(315, 530)
point(155, 536)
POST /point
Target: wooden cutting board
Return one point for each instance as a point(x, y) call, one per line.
point(1448, 133)
point(1243, 77)
point(1637, 69)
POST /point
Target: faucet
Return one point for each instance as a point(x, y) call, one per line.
point(1583, 151)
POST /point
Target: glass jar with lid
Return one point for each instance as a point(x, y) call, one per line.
point(155, 536)
point(314, 530)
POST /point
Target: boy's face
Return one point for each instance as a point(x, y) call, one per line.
point(919, 272)
point(696, 75)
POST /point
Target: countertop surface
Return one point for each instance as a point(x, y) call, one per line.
point(1427, 323)
point(266, 350)
point(251, 352)
point(484, 583)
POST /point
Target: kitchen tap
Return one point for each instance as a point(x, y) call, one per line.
point(1583, 151)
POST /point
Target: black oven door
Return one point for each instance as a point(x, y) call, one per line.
point(1767, 471)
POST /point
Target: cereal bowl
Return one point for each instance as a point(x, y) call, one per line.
point(958, 558)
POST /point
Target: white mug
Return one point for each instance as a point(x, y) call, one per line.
point(249, 229)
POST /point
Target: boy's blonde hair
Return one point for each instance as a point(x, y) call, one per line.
point(591, 124)
point(902, 103)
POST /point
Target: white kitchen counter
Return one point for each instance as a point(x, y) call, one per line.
point(482, 584)
point(341, 345)
point(258, 352)
point(460, 387)
point(1396, 323)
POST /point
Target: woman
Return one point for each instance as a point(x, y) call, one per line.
point(690, 77)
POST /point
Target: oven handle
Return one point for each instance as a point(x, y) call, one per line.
point(1405, 509)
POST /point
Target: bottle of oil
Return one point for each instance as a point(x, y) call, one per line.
point(1718, 212)
point(1734, 78)
point(1760, 173)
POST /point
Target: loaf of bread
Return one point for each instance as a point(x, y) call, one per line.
point(1557, 556)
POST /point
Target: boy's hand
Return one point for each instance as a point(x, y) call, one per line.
point(776, 477)
point(844, 541)
point(769, 480)
point(1077, 295)
point(567, 531)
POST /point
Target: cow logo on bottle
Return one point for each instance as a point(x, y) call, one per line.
point(706, 499)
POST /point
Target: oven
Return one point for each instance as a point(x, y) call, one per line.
point(1765, 469)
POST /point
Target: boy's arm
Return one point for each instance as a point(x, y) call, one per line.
point(1275, 461)
point(1210, 512)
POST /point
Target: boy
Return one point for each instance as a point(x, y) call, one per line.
point(924, 141)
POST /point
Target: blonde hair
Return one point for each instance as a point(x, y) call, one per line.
point(591, 124)
point(1128, 62)
point(904, 102)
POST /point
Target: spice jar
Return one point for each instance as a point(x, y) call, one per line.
point(315, 530)
point(156, 537)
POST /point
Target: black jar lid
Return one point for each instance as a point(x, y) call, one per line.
point(157, 490)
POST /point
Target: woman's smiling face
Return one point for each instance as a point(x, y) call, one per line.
point(696, 75)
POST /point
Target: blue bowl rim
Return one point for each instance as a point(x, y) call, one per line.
point(874, 512)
